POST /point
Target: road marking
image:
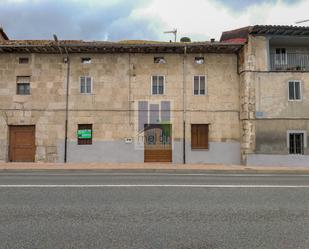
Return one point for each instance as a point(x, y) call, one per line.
point(151, 186)
point(153, 174)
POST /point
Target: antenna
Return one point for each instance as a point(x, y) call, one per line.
point(174, 31)
point(302, 21)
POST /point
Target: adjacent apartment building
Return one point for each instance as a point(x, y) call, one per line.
point(240, 100)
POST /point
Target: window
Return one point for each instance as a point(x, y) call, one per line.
point(84, 134)
point(157, 85)
point(199, 136)
point(86, 60)
point(199, 87)
point(281, 56)
point(23, 60)
point(159, 60)
point(296, 142)
point(199, 60)
point(294, 90)
point(23, 85)
point(85, 84)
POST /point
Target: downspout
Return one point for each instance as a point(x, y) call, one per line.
point(184, 103)
point(67, 60)
point(130, 91)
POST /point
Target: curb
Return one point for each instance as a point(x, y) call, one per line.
point(178, 171)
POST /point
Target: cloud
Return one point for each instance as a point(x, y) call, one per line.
point(73, 19)
point(240, 5)
point(201, 19)
point(142, 19)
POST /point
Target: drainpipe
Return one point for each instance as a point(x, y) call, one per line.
point(67, 61)
point(184, 103)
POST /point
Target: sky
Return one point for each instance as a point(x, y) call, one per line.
point(116, 20)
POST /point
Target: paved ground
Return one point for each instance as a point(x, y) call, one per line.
point(57, 209)
point(153, 167)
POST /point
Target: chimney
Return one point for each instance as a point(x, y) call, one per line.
point(3, 35)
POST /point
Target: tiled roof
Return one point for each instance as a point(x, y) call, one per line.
point(243, 33)
point(78, 46)
point(236, 35)
point(279, 30)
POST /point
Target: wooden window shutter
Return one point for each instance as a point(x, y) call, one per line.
point(199, 136)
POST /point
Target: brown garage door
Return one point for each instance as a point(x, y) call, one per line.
point(157, 143)
point(22, 143)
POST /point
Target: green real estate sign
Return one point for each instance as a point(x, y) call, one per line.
point(84, 134)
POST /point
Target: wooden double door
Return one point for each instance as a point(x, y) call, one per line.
point(22, 143)
point(158, 143)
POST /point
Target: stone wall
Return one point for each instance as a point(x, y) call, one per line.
point(119, 82)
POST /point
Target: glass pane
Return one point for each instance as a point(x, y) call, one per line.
point(82, 88)
point(291, 90)
point(202, 85)
point(297, 89)
point(88, 86)
point(27, 88)
point(154, 88)
point(161, 79)
point(196, 85)
point(292, 144)
point(82, 84)
point(298, 143)
point(161, 87)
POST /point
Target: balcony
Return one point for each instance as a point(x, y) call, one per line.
point(289, 62)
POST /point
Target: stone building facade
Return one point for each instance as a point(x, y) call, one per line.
point(274, 85)
point(121, 78)
point(203, 102)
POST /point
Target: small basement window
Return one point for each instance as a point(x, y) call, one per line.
point(84, 134)
point(86, 60)
point(296, 142)
point(199, 60)
point(199, 136)
point(159, 60)
point(23, 60)
point(23, 85)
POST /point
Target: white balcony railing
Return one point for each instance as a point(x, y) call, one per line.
point(289, 62)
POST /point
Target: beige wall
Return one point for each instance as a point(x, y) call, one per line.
point(266, 92)
point(254, 55)
point(108, 106)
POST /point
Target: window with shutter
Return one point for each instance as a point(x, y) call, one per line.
point(84, 134)
point(199, 136)
point(294, 88)
point(199, 85)
point(23, 85)
point(85, 84)
point(157, 87)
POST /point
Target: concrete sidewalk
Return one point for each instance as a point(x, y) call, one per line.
point(152, 167)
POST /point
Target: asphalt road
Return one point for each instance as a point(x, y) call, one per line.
point(183, 211)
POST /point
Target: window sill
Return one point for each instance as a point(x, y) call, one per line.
point(200, 149)
point(295, 100)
